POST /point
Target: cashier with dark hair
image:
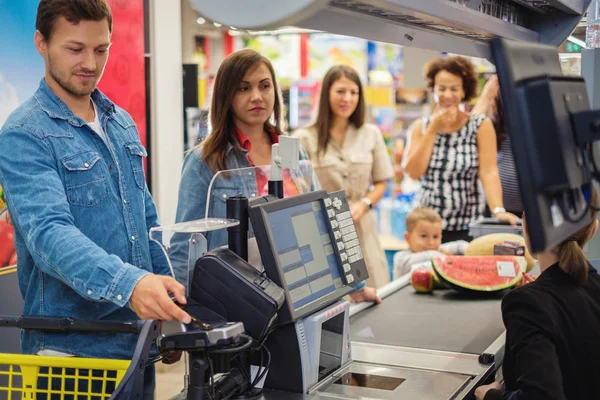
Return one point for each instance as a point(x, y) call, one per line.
point(553, 328)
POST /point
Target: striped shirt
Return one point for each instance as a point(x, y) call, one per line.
point(511, 195)
point(451, 183)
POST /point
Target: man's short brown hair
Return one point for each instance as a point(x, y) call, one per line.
point(74, 11)
point(421, 214)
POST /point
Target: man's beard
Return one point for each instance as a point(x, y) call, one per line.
point(66, 85)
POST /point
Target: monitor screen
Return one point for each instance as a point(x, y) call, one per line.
point(304, 249)
point(538, 104)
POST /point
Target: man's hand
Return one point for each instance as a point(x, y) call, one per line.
point(367, 294)
point(150, 299)
point(481, 391)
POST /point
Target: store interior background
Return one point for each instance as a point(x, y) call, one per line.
point(162, 63)
point(164, 58)
point(392, 76)
point(161, 70)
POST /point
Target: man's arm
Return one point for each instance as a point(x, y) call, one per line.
point(40, 211)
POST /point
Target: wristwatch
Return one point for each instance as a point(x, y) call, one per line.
point(498, 210)
point(368, 202)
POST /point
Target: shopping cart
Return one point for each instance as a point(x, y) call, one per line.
point(73, 378)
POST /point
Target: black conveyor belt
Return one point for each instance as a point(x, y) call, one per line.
point(445, 320)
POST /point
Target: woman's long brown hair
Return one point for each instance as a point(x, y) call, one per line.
point(325, 116)
point(229, 76)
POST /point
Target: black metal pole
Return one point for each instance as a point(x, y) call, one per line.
point(199, 378)
point(276, 189)
point(237, 208)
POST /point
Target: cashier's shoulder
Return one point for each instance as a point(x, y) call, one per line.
point(527, 296)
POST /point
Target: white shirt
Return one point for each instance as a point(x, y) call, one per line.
point(96, 126)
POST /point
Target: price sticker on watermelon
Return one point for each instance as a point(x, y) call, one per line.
point(506, 269)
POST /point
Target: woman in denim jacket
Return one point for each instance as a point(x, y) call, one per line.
point(246, 120)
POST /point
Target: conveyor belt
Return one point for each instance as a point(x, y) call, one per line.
point(445, 320)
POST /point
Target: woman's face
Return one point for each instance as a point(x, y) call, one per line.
point(343, 97)
point(448, 91)
point(255, 97)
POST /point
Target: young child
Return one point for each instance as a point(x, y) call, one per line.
point(424, 238)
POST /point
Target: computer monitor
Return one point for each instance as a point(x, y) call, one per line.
point(301, 253)
point(553, 157)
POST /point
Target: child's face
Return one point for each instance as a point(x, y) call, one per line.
point(424, 236)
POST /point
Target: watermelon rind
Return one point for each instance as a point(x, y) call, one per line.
point(464, 287)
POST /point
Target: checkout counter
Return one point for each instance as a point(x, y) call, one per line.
point(430, 347)
point(448, 342)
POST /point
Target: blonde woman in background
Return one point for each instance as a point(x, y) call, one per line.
point(349, 154)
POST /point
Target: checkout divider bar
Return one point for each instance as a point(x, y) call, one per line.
point(382, 292)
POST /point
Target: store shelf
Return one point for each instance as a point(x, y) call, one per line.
point(434, 24)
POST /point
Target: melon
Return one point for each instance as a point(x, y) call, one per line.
point(480, 273)
point(484, 246)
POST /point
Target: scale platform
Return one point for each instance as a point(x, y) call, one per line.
point(376, 381)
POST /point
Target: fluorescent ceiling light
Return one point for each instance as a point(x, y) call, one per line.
point(200, 21)
point(280, 31)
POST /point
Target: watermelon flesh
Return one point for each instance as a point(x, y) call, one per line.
point(480, 273)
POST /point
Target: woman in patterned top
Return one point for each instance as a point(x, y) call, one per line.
point(451, 151)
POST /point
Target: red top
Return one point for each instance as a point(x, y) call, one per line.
point(262, 180)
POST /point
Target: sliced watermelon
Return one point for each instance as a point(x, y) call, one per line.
point(480, 273)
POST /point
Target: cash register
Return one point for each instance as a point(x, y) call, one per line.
point(309, 248)
point(292, 309)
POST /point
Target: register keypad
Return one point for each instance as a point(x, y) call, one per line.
point(346, 237)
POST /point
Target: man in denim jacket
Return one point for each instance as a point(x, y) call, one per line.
point(71, 165)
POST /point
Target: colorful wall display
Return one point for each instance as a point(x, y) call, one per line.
point(124, 80)
point(282, 50)
point(326, 50)
point(22, 68)
point(386, 57)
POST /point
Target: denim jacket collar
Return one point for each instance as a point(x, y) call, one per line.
point(230, 146)
point(56, 108)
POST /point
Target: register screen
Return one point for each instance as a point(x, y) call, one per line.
point(305, 252)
